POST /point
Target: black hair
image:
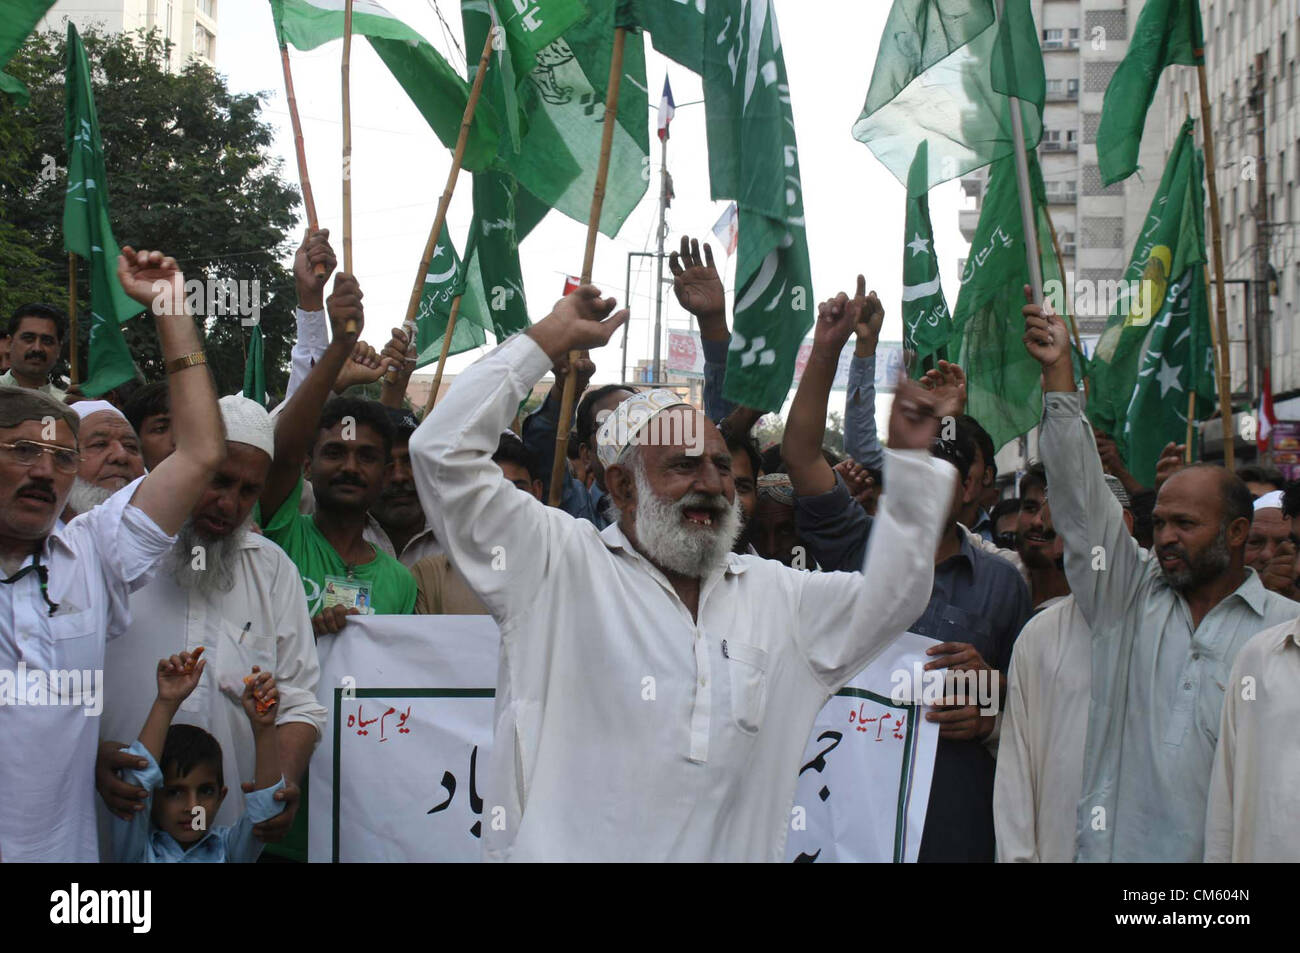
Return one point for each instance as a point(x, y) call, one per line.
point(188, 747)
point(971, 427)
point(1008, 507)
point(1258, 473)
point(572, 449)
point(1035, 476)
point(1291, 500)
point(744, 443)
point(367, 413)
point(772, 459)
point(1142, 504)
point(149, 401)
point(403, 420)
point(586, 423)
point(959, 451)
point(510, 449)
point(43, 311)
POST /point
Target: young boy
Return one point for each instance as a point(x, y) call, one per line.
point(188, 787)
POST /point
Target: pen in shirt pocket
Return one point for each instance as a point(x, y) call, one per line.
point(247, 625)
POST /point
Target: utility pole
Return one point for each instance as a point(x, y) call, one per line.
point(659, 264)
point(1263, 317)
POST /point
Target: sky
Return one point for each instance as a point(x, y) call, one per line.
point(854, 206)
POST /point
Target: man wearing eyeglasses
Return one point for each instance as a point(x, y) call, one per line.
point(63, 592)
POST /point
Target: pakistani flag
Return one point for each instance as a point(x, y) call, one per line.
point(926, 322)
point(435, 88)
point(255, 367)
point(489, 279)
point(1168, 32)
point(1156, 348)
point(943, 74)
point(1002, 380)
point(551, 100)
point(20, 18)
point(753, 158)
point(86, 230)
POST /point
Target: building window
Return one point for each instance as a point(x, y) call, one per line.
point(208, 7)
point(1053, 39)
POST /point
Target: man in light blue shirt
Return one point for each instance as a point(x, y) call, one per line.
point(1166, 623)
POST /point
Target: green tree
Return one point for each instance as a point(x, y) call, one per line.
point(190, 172)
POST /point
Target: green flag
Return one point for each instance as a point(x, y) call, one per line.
point(1168, 32)
point(926, 321)
point(1156, 348)
point(444, 281)
point(255, 367)
point(943, 74)
point(86, 230)
point(559, 108)
point(1003, 391)
point(435, 88)
point(753, 159)
point(20, 18)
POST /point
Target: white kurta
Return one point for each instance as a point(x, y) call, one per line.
point(1044, 730)
point(625, 729)
point(1254, 810)
point(47, 756)
point(167, 619)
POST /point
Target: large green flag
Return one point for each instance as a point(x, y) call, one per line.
point(444, 281)
point(943, 74)
point(20, 18)
point(1003, 390)
point(435, 88)
point(753, 158)
point(255, 367)
point(558, 109)
point(1168, 32)
point(926, 321)
point(1156, 348)
point(86, 230)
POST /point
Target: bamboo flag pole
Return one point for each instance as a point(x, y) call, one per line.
point(1071, 320)
point(1023, 188)
point(72, 317)
point(1219, 326)
point(588, 261)
point(351, 326)
point(440, 218)
point(300, 151)
point(442, 358)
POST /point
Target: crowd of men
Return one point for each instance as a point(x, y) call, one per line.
point(1137, 646)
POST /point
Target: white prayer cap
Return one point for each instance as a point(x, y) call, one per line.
point(248, 422)
point(1269, 501)
point(85, 408)
point(619, 429)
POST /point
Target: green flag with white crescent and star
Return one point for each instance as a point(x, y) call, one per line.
point(87, 232)
point(926, 321)
point(1156, 349)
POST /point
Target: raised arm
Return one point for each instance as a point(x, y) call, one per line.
point(861, 442)
point(172, 488)
point(1103, 563)
point(805, 428)
point(313, 336)
point(699, 290)
point(502, 540)
point(295, 426)
point(846, 619)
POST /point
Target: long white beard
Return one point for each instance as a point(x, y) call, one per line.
point(85, 496)
point(674, 543)
point(215, 570)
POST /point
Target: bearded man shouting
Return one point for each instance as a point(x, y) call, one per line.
point(656, 690)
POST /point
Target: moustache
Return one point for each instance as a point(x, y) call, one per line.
point(348, 480)
point(34, 356)
point(38, 490)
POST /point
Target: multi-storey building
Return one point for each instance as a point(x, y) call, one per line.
point(191, 25)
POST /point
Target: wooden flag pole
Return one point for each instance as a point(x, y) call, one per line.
point(1071, 320)
point(588, 261)
point(440, 218)
point(442, 358)
point(1219, 326)
point(351, 326)
point(1191, 426)
point(72, 318)
point(300, 151)
point(1023, 188)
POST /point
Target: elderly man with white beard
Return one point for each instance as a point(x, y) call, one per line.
point(656, 690)
point(110, 456)
point(236, 594)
